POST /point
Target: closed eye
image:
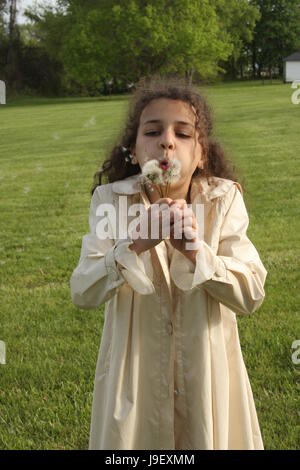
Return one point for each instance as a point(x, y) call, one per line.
point(185, 136)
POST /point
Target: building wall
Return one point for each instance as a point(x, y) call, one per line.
point(292, 71)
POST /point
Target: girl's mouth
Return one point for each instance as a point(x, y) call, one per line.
point(164, 164)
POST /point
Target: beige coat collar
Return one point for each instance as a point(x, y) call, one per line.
point(216, 187)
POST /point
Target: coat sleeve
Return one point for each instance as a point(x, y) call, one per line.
point(235, 276)
point(105, 264)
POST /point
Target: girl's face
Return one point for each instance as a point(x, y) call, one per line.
point(167, 129)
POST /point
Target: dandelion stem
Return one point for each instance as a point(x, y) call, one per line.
point(160, 190)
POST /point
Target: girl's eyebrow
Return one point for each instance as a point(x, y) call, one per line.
point(176, 122)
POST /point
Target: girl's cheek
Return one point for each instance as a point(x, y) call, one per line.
point(145, 152)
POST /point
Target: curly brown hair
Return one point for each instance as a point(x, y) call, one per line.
point(117, 166)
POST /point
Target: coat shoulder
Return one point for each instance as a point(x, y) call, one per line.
point(213, 187)
point(227, 184)
point(104, 192)
point(223, 186)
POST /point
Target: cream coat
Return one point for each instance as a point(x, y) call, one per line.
point(170, 372)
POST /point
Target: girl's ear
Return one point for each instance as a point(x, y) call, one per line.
point(132, 155)
point(200, 164)
point(202, 160)
point(132, 149)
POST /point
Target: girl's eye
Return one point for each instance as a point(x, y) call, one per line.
point(185, 136)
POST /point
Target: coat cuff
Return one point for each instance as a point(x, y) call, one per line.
point(131, 266)
point(187, 275)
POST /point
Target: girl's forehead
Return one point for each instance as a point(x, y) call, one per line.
point(161, 108)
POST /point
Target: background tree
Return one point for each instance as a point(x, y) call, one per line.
point(238, 18)
point(3, 31)
point(43, 39)
point(121, 40)
point(3, 8)
point(10, 44)
point(276, 35)
point(91, 47)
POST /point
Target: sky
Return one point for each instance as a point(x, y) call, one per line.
point(22, 4)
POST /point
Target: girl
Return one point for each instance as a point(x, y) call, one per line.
point(170, 372)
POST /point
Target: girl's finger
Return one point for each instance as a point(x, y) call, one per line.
point(187, 210)
point(188, 221)
point(178, 201)
point(185, 221)
point(189, 233)
point(178, 227)
point(164, 200)
point(184, 210)
point(176, 213)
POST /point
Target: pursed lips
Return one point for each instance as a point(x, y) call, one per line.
point(165, 164)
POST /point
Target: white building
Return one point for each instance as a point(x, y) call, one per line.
point(292, 67)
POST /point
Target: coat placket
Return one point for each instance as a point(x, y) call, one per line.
point(165, 320)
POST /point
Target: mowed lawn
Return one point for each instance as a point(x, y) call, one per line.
point(49, 151)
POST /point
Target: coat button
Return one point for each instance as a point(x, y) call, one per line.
point(170, 328)
point(176, 391)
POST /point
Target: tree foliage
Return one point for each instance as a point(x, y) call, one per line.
point(277, 34)
point(126, 39)
point(95, 46)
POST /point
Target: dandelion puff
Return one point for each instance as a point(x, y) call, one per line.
point(161, 173)
point(172, 173)
point(152, 173)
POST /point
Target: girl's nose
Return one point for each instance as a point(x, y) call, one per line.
point(167, 145)
point(166, 142)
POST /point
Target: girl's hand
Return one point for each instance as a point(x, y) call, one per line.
point(183, 222)
point(156, 212)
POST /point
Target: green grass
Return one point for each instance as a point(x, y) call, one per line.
point(49, 150)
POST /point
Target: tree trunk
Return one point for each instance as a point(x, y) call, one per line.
point(253, 60)
point(189, 75)
point(12, 16)
point(241, 71)
point(260, 66)
point(12, 31)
